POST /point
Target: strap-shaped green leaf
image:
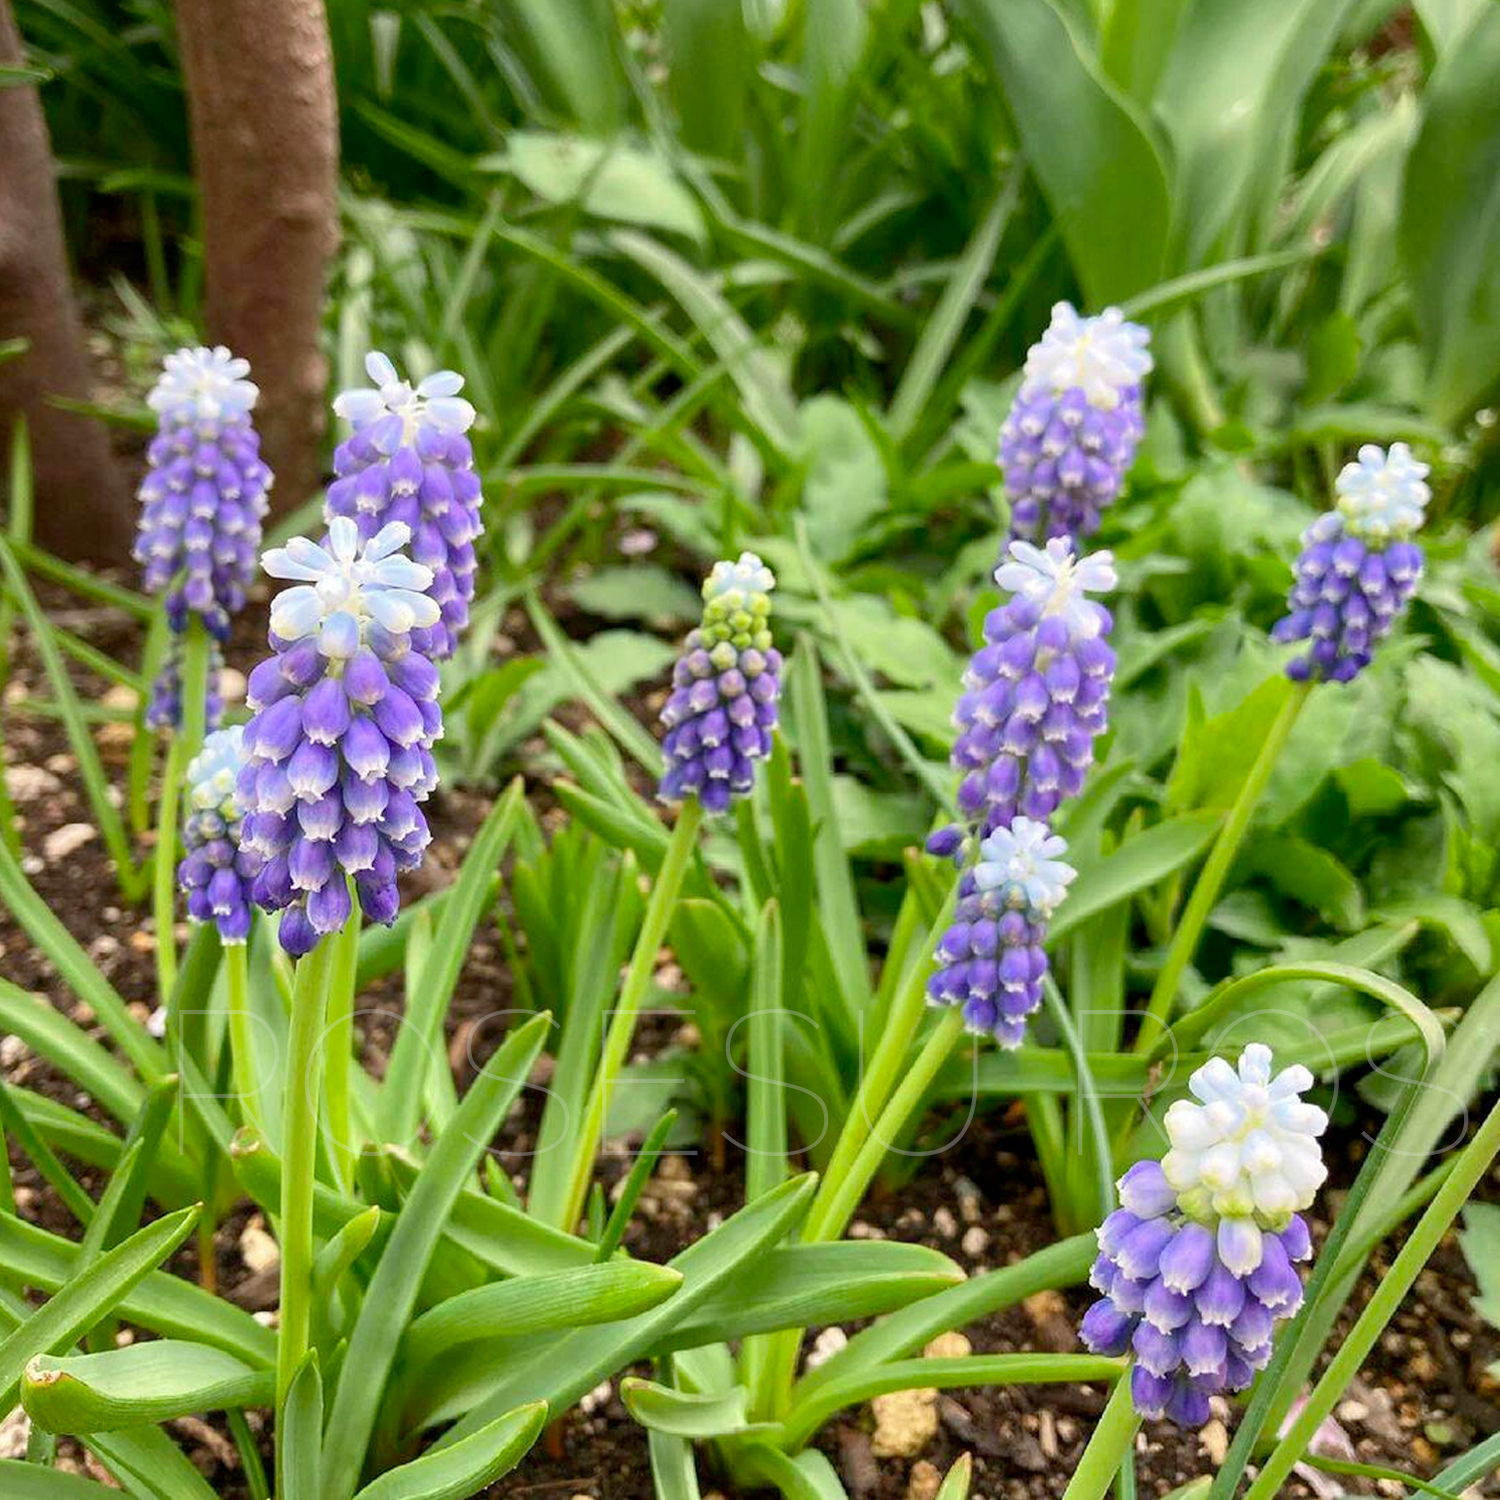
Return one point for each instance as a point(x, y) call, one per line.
point(534, 1304)
point(22, 1481)
point(300, 1438)
point(164, 1304)
point(400, 1099)
point(154, 1381)
point(88, 1297)
point(563, 1370)
point(408, 1253)
point(690, 1414)
point(800, 1286)
point(464, 1468)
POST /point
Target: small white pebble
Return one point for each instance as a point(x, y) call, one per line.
point(68, 839)
point(825, 1346)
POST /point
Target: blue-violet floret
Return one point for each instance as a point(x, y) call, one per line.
point(726, 690)
point(1072, 432)
point(339, 751)
point(204, 495)
point(991, 960)
point(1199, 1263)
point(217, 872)
point(408, 459)
point(1036, 693)
point(1359, 566)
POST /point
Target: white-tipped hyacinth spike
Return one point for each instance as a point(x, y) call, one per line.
point(1247, 1150)
point(396, 411)
point(747, 575)
point(342, 587)
point(1102, 356)
point(1058, 582)
point(1382, 496)
point(203, 385)
point(1026, 861)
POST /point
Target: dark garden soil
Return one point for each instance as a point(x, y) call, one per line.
point(1425, 1397)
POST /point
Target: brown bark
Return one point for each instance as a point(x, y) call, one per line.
point(263, 111)
point(83, 509)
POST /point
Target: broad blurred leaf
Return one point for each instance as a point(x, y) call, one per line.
point(641, 591)
point(711, 61)
point(611, 179)
point(845, 487)
point(1090, 150)
point(1450, 222)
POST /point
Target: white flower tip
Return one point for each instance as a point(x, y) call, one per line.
point(203, 384)
point(1102, 356)
point(747, 573)
point(1384, 493)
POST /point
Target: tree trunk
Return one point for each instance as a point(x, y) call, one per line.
point(264, 118)
point(83, 509)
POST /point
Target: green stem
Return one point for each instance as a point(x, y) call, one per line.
point(164, 871)
point(299, 1146)
point(1215, 870)
point(184, 746)
point(340, 1046)
point(241, 1055)
point(1108, 1448)
point(827, 1220)
point(622, 1023)
point(1473, 1162)
point(879, 1078)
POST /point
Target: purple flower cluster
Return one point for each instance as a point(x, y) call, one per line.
point(991, 960)
point(217, 872)
point(1195, 1326)
point(164, 709)
point(726, 688)
point(1072, 432)
point(408, 460)
point(339, 752)
point(1192, 1291)
point(1359, 567)
point(1036, 693)
point(204, 494)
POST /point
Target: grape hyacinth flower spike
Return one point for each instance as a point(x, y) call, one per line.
point(164, 708)
point(217, 872)
point(409, 460)
point(1359, 565)
point(339, 752)
point(1071, 434)
point(203, 499)
point(991, 960)
point(1036, 693)
point(726, 688)
point(1198, 1264)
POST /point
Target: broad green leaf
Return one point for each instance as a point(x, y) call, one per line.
point(689, 1414)
point(300, 1434)
point(88, 1297)
point(165, 1304)
point(533, 1304)
point(567, 1368)
point(711, 61)
point(799, 1286)
point(1309, 875)
point(641, 591)
point(465, 1467)
point(1450, 220)
point(418, 1038)
point(845, 484)
point(154, 1381)
point(1143, 860)
point(1447, 22)
point(611, 179)
point(576, 42)
point(149, 1464)
point(1231, 91)
point(1091, 151)
point(23, 1481)
point(393, 1289)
